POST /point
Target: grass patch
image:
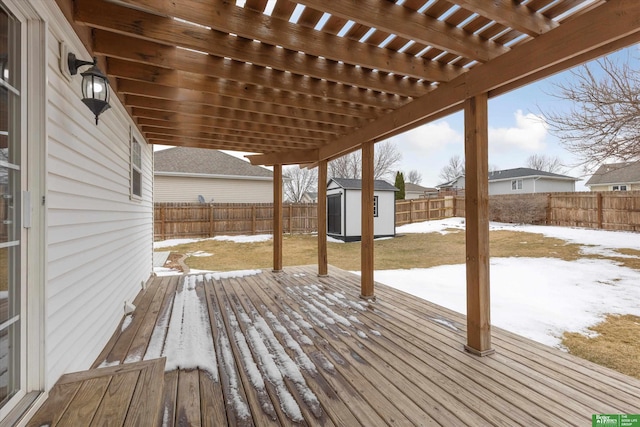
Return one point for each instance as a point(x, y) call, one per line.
point(617, 346)
point(404, 251)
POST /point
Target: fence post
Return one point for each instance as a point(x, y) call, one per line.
point(410, 211)
point(211, 230)
point(253, 219)
point(549, 213)
point(599, 207)
point(455, 199)
point(290, 222)
point(162, 225)
point(428, 209)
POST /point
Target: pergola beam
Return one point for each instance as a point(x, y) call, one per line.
point(201, 96)
point(288, 83)
point(164, 30)
point(229, 18)
point(190, 100)
point(229, 113)
point(394, 19)
point(233, 127)
point(580, 37)
point(511, 14)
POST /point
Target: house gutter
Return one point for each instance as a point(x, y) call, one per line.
point(212, 176)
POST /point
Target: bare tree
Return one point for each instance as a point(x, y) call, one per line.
point(347, 166)
point(604, 121)
point(545, 163)
point(453, 169)
point(299, 181)
point(386, 158)
point(414, 177)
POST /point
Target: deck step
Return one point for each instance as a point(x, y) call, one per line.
point(122, 395)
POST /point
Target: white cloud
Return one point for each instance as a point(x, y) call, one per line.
point(528, 134)
point(432, 136)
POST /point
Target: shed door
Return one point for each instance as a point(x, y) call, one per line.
point(334, 210)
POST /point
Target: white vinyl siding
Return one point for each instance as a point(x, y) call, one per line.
point(218, 190)
point(531, 185)
point(608, 187)
point(99, 240)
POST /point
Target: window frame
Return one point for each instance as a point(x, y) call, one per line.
point(135, 167)
point(516, 184)
point(619, 187)
point(375, 206)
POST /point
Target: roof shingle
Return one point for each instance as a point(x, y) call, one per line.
point(616, 173)
point(356, 184)
point(202, 161)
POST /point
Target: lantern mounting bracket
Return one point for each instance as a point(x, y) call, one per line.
point(75, 63)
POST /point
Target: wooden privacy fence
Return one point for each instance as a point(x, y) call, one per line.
point(610, 210)
point(607, 210)
point(417, 210)
point(619, 210)
point(178, 220)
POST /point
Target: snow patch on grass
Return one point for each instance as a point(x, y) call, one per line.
point(539, 298)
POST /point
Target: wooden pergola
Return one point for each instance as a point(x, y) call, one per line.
point(309, 81)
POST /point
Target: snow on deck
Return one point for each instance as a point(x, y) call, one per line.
point(258, 348)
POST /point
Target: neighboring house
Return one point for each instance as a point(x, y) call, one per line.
point(520, 180)
point(453, 185)
point(616, 177)
point(344, 202)
point(415, 191)
point(185, 174)
point(526, 180)
point(79, 209)
point(309, 197)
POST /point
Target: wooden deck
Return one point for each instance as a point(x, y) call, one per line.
point(291, 348)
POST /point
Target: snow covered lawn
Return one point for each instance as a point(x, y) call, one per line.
point(539, 298)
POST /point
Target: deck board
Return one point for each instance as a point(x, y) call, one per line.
point(125, 395)
point(290, 343)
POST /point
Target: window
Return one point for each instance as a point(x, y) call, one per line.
point(11, 172)
point(375, 206)
point(516, 184)
point(619, 188)
point(136, 169)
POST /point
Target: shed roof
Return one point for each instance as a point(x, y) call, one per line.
point(309, 80)
point(526, 173)
point(356, 184)
point(202, 161)
point(616, 173)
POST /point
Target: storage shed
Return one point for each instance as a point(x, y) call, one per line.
point(344, 214)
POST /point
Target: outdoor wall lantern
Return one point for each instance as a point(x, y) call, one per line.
point(95, 87)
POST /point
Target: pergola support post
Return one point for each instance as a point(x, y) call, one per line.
point(322, 219)
point(277, 218)
point(366, 243)
point(477, 225)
